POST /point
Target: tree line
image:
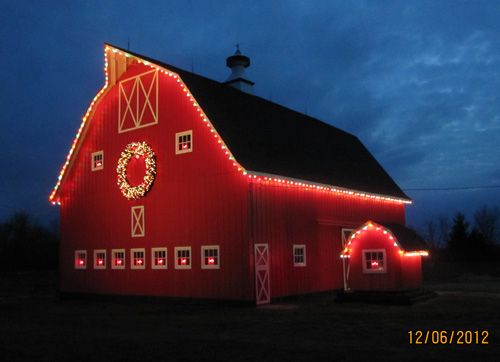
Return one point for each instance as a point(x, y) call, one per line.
point(464, 240)
point(25, 244)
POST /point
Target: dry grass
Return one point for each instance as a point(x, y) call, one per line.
point(36, 325)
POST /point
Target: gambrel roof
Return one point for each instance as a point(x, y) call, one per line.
point(269, 139)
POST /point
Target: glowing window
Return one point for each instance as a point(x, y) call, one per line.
point(81, 259)
point(183, 142)
point(299, 255)
point(137, 259)
point(118, 259)
point(374, 261)
point(159, 258)
point(183, 257)
point(97, 160)
point(100, 259)
point(210, 257)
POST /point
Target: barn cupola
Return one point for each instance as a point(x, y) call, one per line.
point(237, 79)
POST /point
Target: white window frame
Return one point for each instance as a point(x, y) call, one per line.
point(77, 258)
point(297, 247)
point(210, 266)
point(181, 134)
point(346, 234)
point(374, 271)
point(113, 259)
point(137, 221)
point(137, 267)
point(99, 251)
point(153, 258)
point(181, 248)
point(92, 160)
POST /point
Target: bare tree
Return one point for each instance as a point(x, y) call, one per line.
point(431, 234)
point(487, 222)
point(444, 230)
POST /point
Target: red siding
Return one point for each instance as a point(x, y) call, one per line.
point(402, 272)
point(285, 216)
point(197, 199)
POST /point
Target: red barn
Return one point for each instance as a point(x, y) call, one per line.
point(181, 186)
point(383, 257)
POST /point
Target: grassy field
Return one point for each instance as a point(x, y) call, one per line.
point(35, 325)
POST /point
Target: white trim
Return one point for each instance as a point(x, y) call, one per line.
point(159, 266)
point(262, 279)
point(374, 271)
point(92, 160)
point(297, 247)
point(181, 248)
point(137, 250)
point(137, 222)
point(96, 265)
point(327, 187)
point(113, 259)
point(345, 269)
point(137, 87)
point(210, 266)
point(181, 134)
point(77, 257)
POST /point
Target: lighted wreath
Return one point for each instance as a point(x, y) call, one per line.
point(137, 149)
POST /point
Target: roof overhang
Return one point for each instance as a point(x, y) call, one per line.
point(252, 176)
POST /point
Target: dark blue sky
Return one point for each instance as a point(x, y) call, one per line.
point(417, 82)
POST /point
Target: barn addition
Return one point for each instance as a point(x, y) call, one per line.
point(177, 185)
point(383, 257)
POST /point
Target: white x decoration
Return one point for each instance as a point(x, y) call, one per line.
point(137, 103)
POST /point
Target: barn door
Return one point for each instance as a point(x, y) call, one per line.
point(262, 284)
point(346, 233)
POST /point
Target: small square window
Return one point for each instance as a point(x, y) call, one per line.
point(374, 261)
point(100, 259)
point(97, 160)
point(183, 257)
point(137, 259)
point(159, 258)
point(210, 257)
point(118, 259)
point(299, 255)
point(183, 142)
point(81, 259)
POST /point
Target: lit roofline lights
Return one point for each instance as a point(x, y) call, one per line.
point(251, 175)
point(370, 225)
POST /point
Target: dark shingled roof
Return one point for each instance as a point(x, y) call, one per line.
point(407, 238)
point(268, 138)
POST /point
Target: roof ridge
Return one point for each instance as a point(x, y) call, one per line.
point(222, 84)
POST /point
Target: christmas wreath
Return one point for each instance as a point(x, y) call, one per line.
point(137, 149)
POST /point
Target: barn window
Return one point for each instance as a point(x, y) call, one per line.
point(183, 142)
point(299, 255)
point(137, 259)
point(159, 258)
point(374, 261)
point(210, 258)
point(81, 259)
point(97, 160)
point(100, 259)
point(183, 257)
point(118, 259)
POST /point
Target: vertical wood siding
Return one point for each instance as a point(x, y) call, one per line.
point(285, 216)
point(197, 199)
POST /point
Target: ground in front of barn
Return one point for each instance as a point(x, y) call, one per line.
point(36, 325)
